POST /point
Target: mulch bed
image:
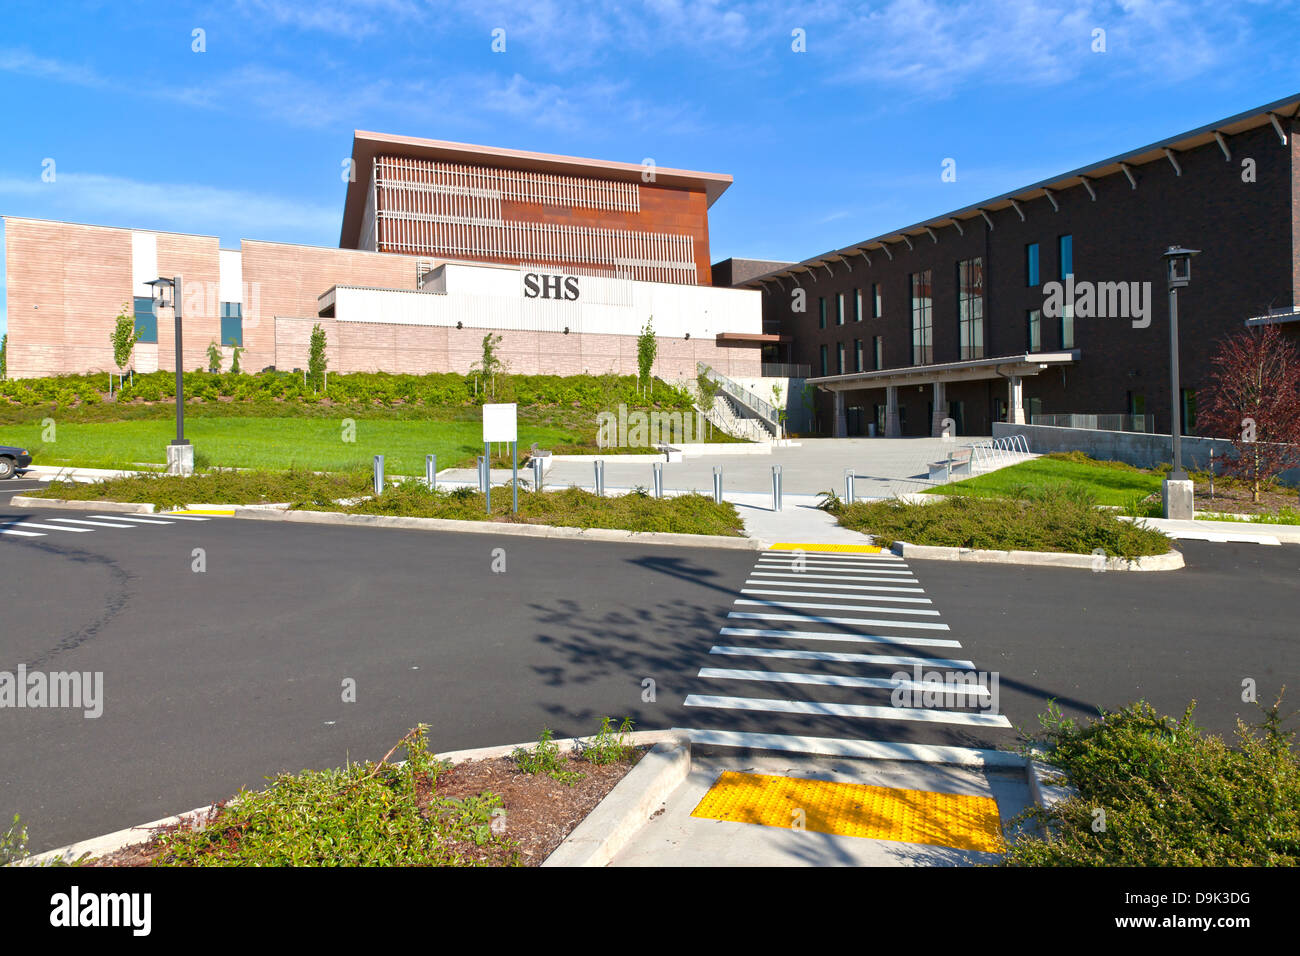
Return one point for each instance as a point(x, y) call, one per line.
point(1237, 499)
point(540, 811)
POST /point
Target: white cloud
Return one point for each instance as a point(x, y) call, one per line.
point(346, 18)
point(179, 207)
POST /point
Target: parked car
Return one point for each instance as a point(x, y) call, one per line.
point(12, 458)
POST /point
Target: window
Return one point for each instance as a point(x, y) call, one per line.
point(232, 324)
point(1035, 409)
point(1031, 264)
point(839, 350)
point(839, 309)
point(922, 319)
point(821, 312)
point(1137, 403)
point(970, 307)
point(1066, 248)
point(878, 351)
point(146, 320)
point(875, 300)
point(823, 358)
point(1189, 410)
point(857, 305)
point(857, 355)
point(1034, 330)
point(1067, 325)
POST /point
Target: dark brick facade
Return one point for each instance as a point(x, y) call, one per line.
point(1249, 234)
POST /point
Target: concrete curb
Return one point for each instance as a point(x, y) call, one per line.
point(503, 529)
point(627, 808)
point(112, 842)
point(68, 504)
point(1044, 792)
point(1169, 561)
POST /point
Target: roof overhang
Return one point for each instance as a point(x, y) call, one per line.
point(969, 370)
point(367, 145)
point(1275, 318)
point(758, 338)
point(1164, 151)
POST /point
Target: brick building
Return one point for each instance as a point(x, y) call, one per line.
point(956, 317)
point(565, 258)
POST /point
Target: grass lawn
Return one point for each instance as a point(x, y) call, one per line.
point(1110, 483)
point(288, 442)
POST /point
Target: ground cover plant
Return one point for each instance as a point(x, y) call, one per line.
point(1057, 518)
point(1109, 482)
point(1154, 790)
point(220, 486)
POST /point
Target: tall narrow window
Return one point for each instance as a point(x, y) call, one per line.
point(857, 305)
point(1189, 411)
point(857, 355)
point(821, 312)
point(839, 350)
point(970, 307)
point(922, 318)
point(878, 352)
point(1067, 325)
point(1066, 246)
point(822, 351)
point(232, 324)
point(1031, 264)
point(146, 320)
point(839, 309)
point(875, 300)
point(1034, 330)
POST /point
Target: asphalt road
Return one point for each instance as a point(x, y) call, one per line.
point(216, 680)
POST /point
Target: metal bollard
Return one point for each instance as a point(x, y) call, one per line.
point(776, 487)
point(717, 484)
point(431, 471)
point(482, 484)
point(379, 474)
point(848, 486)
point(949, 469)
point(537, 474)
point(600, 477)
point(657, 478)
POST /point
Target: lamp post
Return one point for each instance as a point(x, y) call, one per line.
point(1178, 500)
point(180, 453)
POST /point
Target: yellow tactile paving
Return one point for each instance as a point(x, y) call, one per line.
point(201, 511)
point(856, 548)
point(855, 809)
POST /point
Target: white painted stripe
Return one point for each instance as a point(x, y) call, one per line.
point(891, 639)
point(756, 602)
point(841, 680)
point(23, 534)
point(874, 568)
point(842, 587)
point(97, 524)
point(811, 619)
point(133, 518)
point(842, 597)
point(836, 555)
point(49, 527)
point(866, 749)
point(833, 577)
point(172, 514)
point(863, 711)
point(889, 660)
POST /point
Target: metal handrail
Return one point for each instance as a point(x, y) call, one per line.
point(743, 395)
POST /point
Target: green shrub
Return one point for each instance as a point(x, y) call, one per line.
point(1155, 791)
point(546, 758)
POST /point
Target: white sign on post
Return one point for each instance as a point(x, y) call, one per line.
point(500, 423)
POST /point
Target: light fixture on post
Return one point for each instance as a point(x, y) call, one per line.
point(169, 293)
point(1177, 489)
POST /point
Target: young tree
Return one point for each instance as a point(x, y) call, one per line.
point(235, 352)
point(647, 347)
point(490, 364)
point(316, 361)
point(4, 356)
point(779, 405)
point(214, 357)
point(1255, 403)
point(123, 337)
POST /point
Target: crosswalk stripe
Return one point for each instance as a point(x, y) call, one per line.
point(838, 607)
point(871, 749)
point(891, 639)
point(841, 680)
point(842, 587)
point(864, 711)
point(873, 567)
point(97, 524)
point(47, 527)
point(813, 619)
point(834, 577)
point(842, 597)
point(889, 660)
point(834, 556)
point(133, 518)
point(22, 534)
point(181, 517)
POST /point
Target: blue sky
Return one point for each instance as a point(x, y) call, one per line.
point(827, 146)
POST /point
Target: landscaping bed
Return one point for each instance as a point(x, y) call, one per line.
point(303, 488)
point(1109, 482)
point(505, 811)
point(1057, 518)
point(1169, 794)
